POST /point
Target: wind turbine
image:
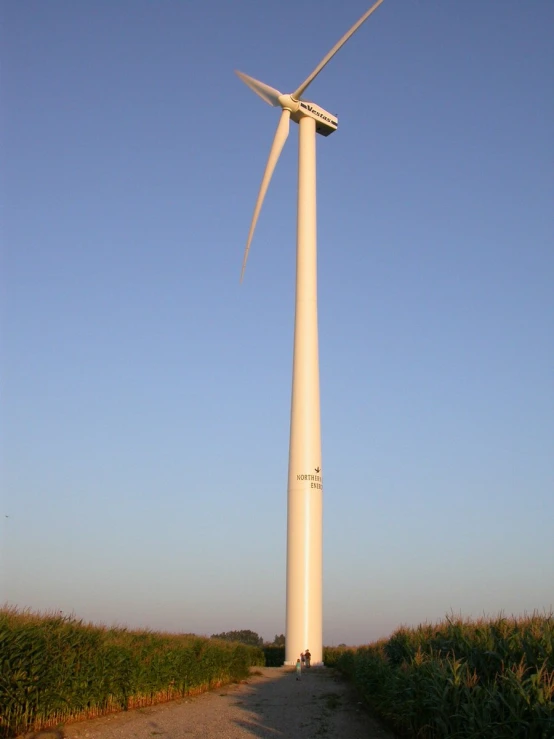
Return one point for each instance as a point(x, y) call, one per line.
point(305, 478)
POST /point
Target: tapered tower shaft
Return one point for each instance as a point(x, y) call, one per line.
point(305, 486)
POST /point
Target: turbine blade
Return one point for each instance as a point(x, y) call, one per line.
point(276, 148)
point(267, 93)
point(298, 92)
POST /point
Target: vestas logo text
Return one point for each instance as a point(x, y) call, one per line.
point(317, 113)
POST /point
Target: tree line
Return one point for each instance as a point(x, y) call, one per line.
point(251, 638)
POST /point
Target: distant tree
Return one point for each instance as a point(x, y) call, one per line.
point(279, 640)
point(244, 637)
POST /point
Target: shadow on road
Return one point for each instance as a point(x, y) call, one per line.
point(321, 704)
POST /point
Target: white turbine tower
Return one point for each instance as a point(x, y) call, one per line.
point(305, 485)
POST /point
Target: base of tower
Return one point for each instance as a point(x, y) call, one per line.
point(313, 664)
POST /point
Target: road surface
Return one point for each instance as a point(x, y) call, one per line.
point(271, 704)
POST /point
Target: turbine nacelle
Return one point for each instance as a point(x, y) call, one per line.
point(326, 122)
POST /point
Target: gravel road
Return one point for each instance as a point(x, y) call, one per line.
point(270, 704)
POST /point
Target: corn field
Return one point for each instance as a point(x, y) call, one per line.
point(460, 679)
point(55, 669)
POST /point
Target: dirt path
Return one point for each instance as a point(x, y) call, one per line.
point(271, 704)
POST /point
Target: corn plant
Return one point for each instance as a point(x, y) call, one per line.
point(54, 669)
point(461, 679)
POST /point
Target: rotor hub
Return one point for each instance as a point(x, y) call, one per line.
point(287, 102)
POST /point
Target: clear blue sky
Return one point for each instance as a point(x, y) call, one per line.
point(146, 394)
